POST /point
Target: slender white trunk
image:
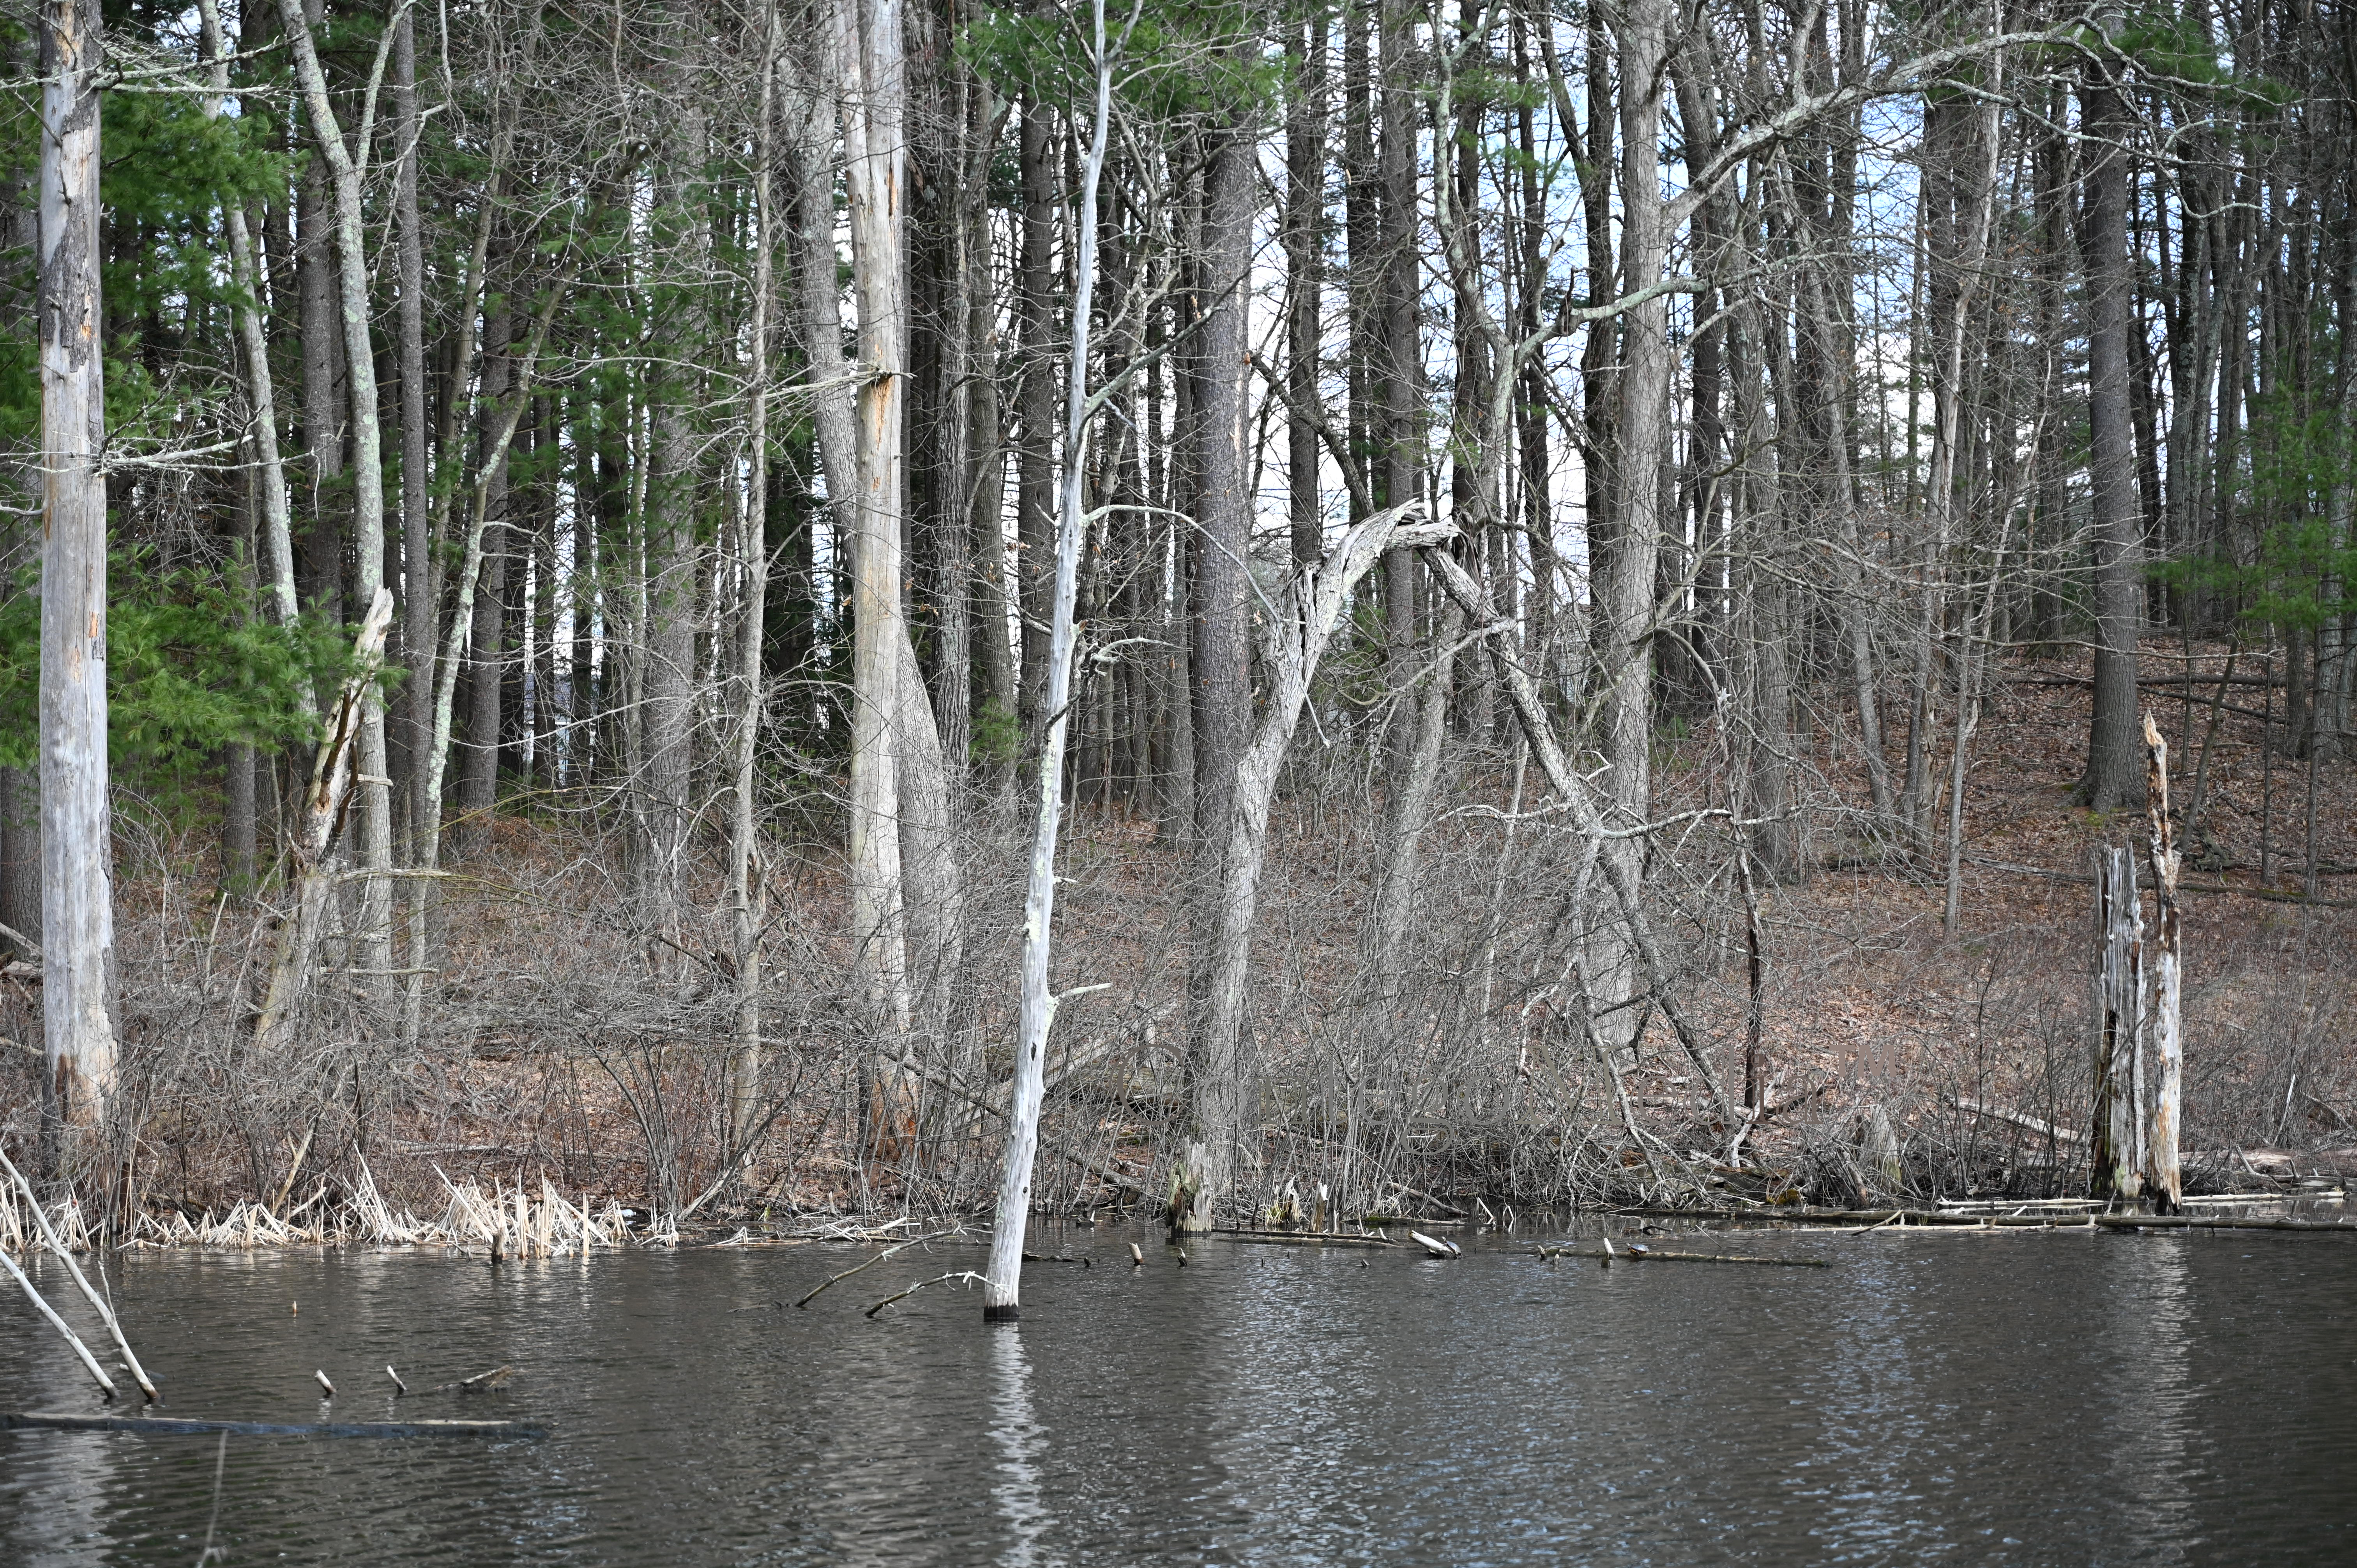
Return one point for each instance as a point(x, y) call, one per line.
point(368, 461)
point(1003, 1279)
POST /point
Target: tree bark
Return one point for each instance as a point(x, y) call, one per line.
point(368, 472)
point(77, 932)
point(2111, 778)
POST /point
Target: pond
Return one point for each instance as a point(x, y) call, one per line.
point(1975, 1396)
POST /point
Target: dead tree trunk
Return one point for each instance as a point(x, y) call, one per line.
point(1001, 1286)
point(2119, 1012)
point(2162, 1172)
point(77, 838)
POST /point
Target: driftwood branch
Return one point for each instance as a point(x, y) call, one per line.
point(903, 1295)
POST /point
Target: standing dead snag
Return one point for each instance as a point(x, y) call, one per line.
point(77, 862)
point(2118, 1164)
point(1002, 1287)
point(2160, 1167)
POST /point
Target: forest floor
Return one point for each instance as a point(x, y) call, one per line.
point(563, 1047)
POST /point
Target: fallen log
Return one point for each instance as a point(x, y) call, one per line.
point(1648, 1255)
point(169, 1426)
point(2219, 1222)
point(1304, 1238)
point(1436, 1246)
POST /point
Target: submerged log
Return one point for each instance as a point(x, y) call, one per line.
point(1651, 1255)
point(1304, 1238)
point(169, 1426)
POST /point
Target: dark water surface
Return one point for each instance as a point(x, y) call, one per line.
point(2011, 1398)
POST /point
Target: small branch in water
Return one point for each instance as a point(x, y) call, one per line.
point(903, 1295)
point(104, 1383)
point(325, 1385)
point(871, 1263)
point(480, 1382)
point(399, 1388)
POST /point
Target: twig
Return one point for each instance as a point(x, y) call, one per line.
point(872, 1262)
point(902, 1295)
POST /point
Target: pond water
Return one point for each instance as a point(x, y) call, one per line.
point(2008, 1397)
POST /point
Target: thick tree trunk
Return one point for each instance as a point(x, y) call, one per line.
point(479, 775)
point(869, 38)
point(2111, 778)
point(675, 492)
point(77, 932)
point(1627, 571)
point(417, 597)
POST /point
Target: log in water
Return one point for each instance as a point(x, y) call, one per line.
point(169, 1426)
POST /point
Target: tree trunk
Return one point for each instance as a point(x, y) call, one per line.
point(2111, 778)
point(869, 42)
point(1002, 1287)
point(1627, 571)
point(1218, 1065)
point(2118, 1154)
point(77, 932)
point(368, 474)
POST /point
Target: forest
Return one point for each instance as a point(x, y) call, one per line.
point(728, 610)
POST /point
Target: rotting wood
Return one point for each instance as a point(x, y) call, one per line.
point(2116, 1167)
point(169, 1426)
point(2163, 1173)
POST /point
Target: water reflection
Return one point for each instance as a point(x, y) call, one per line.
point(2010, 1398)
point(2148, 1325)
point(1015, 1490)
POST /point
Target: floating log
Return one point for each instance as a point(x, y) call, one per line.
point(2220, 1222)
point(1651, 1255)
point(1846, 1219)
point(167, 1426)
point(1436, 1246)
